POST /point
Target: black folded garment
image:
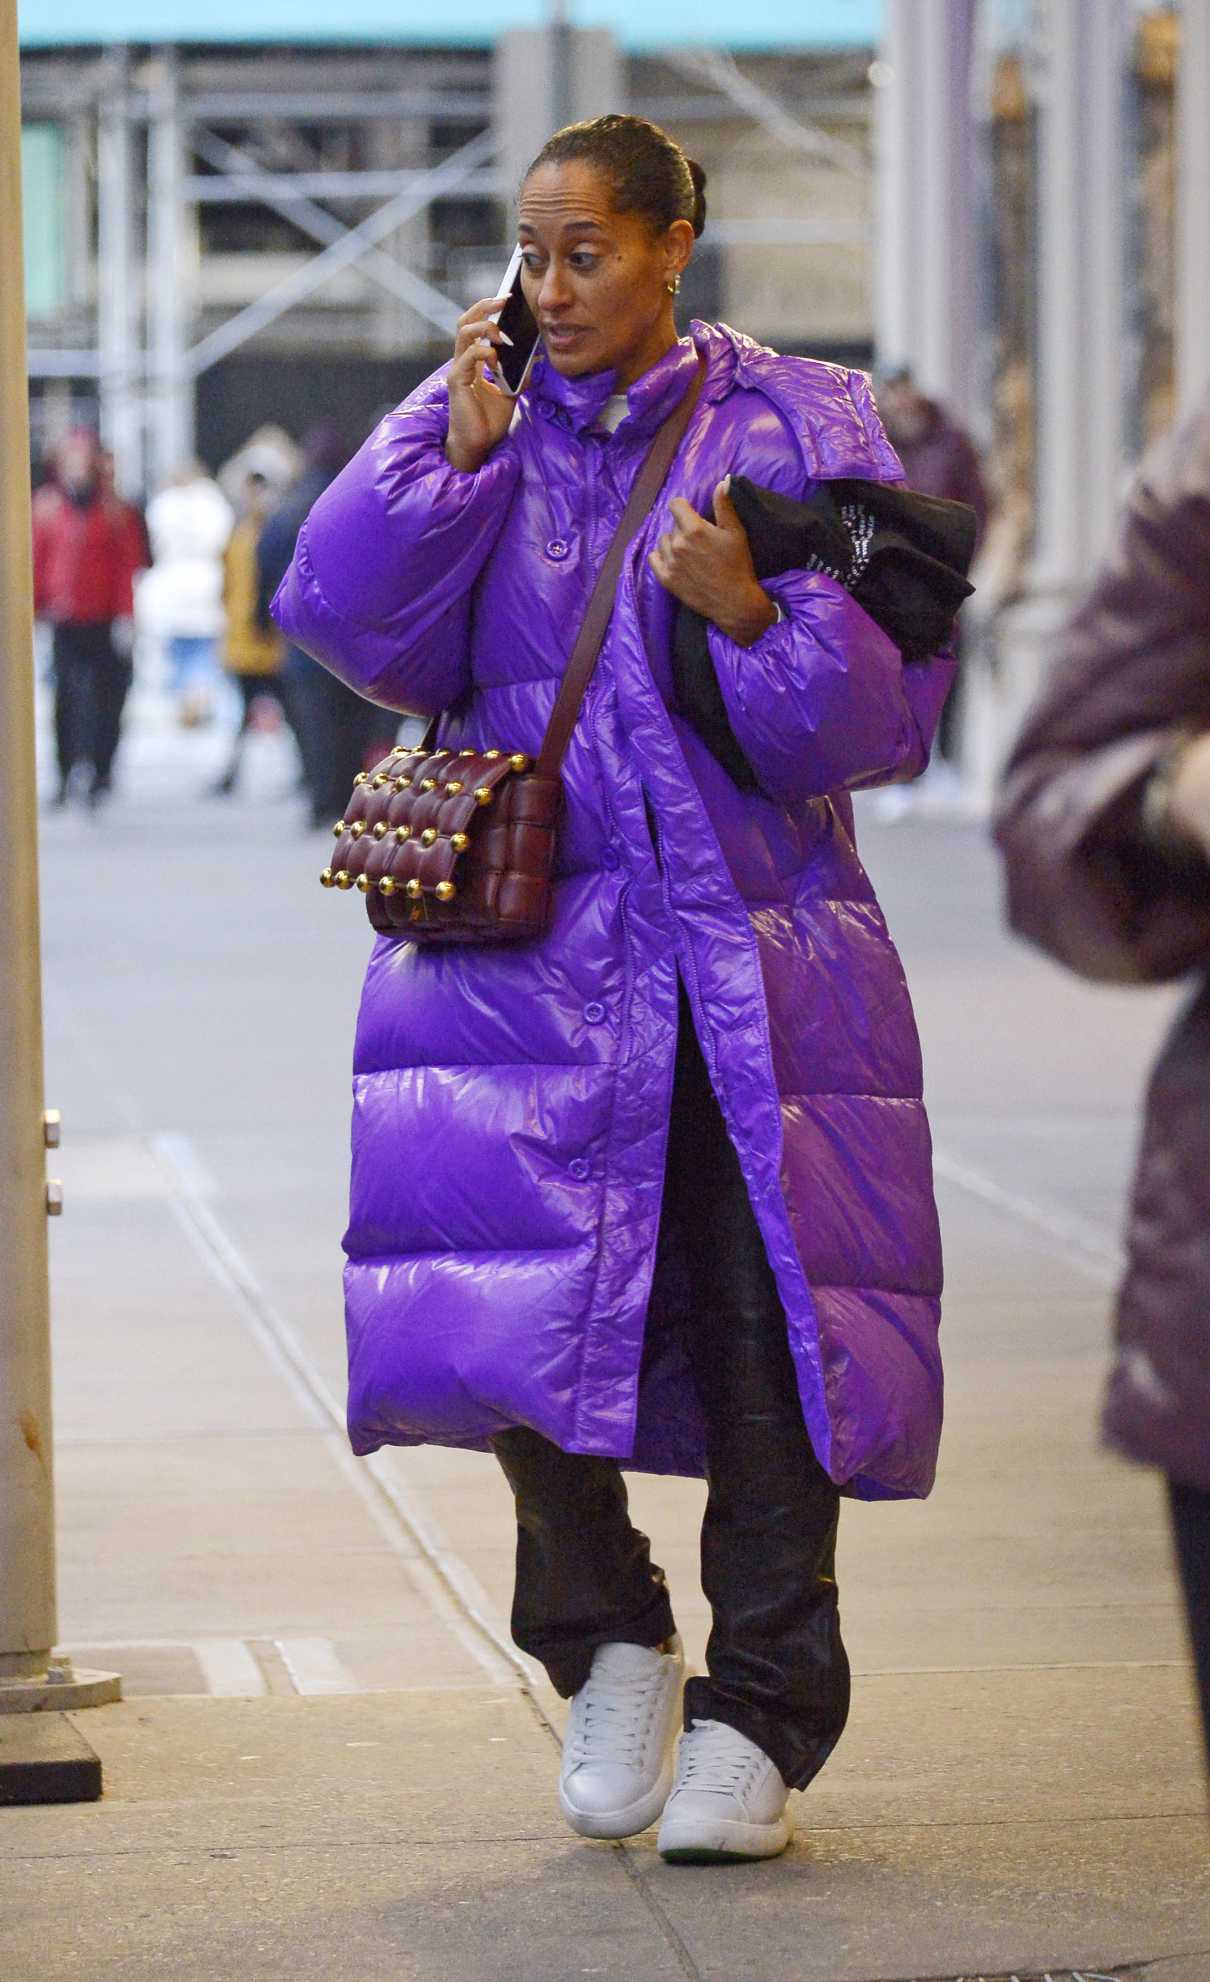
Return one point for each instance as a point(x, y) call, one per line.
point(904, 557)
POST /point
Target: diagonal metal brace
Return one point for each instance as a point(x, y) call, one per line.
point(322, 226)
point(720, 68)
point(349, 246)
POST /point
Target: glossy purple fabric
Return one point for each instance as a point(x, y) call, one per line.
point(511, 1105)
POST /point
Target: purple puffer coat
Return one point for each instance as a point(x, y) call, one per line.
point(511, 1104)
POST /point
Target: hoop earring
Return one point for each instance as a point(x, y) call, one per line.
point(674, 287)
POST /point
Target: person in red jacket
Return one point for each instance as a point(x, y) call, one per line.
point(88, 544)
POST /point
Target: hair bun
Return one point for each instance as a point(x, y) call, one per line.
point(698, 177)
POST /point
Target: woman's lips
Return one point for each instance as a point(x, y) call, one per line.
point(561, 335)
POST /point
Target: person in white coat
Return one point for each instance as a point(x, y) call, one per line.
point(189, 523)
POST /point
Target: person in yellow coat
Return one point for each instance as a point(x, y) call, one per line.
point(252, 654)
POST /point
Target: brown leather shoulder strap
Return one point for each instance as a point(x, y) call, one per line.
point(648, 483)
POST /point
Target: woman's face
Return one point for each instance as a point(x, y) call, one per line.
point(595, 279)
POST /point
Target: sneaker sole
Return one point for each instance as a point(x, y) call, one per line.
point(630, 1819)
point(726, 1843)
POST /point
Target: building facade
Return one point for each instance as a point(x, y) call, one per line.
point(224, 236)
point(1043, 263)
point(1011, 196)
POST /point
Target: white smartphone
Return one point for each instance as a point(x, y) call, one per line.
point(516, 320)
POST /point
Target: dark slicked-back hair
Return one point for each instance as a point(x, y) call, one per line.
point(647, 170)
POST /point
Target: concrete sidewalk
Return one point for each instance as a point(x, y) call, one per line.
point(328, 1764)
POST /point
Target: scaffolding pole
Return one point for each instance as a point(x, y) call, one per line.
point(30, 1678)
point(119, 356)
point(170, 379)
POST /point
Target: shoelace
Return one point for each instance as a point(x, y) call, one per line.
point(712, 1759)
point(612, 1719)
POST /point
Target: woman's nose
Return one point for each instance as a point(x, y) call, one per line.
point(553, 293)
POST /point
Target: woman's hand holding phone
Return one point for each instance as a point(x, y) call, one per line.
point(480, 410)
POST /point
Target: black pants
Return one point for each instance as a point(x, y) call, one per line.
point(1191, 1528)
point(777, 1667)
point(254, 688)
point(91, 686)
point(336, 731)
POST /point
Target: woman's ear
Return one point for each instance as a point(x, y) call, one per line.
point(679, 244)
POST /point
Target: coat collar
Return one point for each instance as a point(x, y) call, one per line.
point(828, 409)
point(577, 403)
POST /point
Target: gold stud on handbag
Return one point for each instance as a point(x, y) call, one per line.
point(461, 848)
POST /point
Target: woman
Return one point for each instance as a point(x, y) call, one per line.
point(1105, 827)
point(655, 1188)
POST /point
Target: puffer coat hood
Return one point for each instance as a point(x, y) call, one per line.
point(511, 1104)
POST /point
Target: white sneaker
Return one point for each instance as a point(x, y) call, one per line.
point(617, 1752)
point(728, 1800)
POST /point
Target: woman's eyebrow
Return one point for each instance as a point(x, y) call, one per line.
point(568, 227)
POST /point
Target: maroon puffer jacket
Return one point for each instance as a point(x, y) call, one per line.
point(1133, 670)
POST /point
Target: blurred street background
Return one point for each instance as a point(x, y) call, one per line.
point(248, 233)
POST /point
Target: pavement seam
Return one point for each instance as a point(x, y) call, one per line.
point(392, 1843)
point(680, 1953)
point(621, 1852)
point(281, 1345)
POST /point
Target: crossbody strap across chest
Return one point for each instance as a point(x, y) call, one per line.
point(647, 485)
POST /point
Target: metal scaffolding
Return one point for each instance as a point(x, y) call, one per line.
point(180, 136)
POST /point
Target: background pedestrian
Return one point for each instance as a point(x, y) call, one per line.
point(88, 545)
point(189, 523)
point(252, 655)
point(939, 459)
point(338, 731)
point(1105, 828)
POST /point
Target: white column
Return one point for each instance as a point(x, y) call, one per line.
point(926, 282)
point(542, 77)
point(1079, 349)
point(1193, 206)
point(1080, 343)
point(170, 380)
point(896, 200)
point(118, 284)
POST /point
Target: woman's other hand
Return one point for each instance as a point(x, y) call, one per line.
point(480, 411)
point(708, 567)
point(1189, 793)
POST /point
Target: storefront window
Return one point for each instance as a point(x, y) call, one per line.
point(44, 190)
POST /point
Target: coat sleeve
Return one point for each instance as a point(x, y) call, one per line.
point(822, 702)
point(1132, 672)
point(380, 585)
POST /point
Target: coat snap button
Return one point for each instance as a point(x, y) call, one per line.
point(578, 1167)
point(557, 548)
point(611, 857)
point(594, 1013)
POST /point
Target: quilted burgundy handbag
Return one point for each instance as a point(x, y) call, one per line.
point(459, 846)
